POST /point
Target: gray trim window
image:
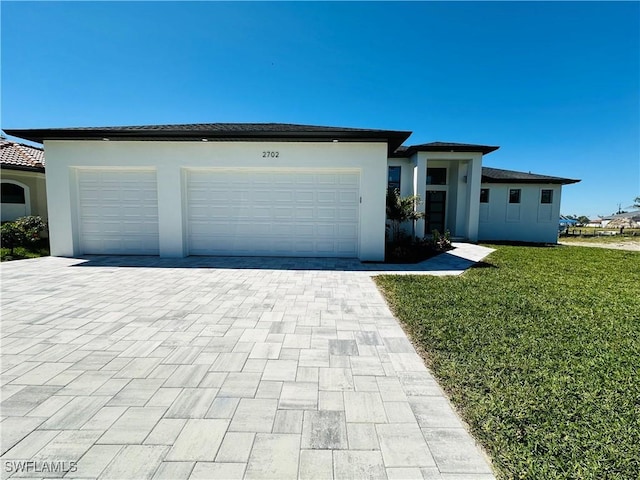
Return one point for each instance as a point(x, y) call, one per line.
point(484, 195)
point(546, 196)
point(514, 195)
point(393, 181)
point(436, 176)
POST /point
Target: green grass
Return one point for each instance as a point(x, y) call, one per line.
point(602, 239)
point(603, 232)
point(540, 352)
point(19, 253)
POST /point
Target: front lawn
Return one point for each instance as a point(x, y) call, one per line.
point(602, 239)
point(540, 352)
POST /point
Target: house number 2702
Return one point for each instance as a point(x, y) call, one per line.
point(270, 154)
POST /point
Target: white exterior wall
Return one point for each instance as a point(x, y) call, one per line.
point(171, 160)
point(35, 194)
point(464, 172)
point(530, 221)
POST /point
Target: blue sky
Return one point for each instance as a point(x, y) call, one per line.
point(556, 85)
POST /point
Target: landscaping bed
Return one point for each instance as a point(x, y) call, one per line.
point(40, 249)
point(540, 353)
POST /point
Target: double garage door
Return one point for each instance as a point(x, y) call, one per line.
point(227, 212)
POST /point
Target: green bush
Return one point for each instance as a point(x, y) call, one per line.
point(441, 242)
point(22, 232)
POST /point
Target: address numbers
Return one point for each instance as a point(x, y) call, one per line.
point(270, 154)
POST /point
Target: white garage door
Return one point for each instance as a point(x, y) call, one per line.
point(118, 212)
point(270, 213)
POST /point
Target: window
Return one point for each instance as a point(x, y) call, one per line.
point(12, 193)
point(394, 178)
point(484, 195)
point(436, 176)
point(514, 195)
point(546, 196)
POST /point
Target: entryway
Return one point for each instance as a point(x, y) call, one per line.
point(435, 211)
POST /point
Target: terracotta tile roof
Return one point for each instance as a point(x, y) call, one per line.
point(497, 175)
point(19, 156)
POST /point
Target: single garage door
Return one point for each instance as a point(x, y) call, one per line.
point(253, 212)
point(118, 212)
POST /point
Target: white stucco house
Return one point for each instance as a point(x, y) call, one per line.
point(22, 180)
point(274, 190)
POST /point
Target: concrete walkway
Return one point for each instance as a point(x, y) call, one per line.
point(220, 368)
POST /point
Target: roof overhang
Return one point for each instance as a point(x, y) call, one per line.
point(499, 175)
point(217, 132)
point(444, 147)
point(550, 181)
point(21, 168)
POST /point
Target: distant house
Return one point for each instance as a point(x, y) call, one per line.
point(595, 222)
point(626, 220)
point(22, 180)
point(275, 189)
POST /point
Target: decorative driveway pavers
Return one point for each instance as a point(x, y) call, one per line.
point(117, 367)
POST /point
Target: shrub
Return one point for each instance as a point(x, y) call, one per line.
point(441, 242)
point(11, 236)
point(401, 210)
point(21, 232)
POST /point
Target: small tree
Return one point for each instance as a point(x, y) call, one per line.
point(401, 210)
point(583, 220)
point(636, 202)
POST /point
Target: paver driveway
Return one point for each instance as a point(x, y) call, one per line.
point(209, 368)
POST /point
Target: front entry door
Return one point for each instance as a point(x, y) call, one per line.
point(435, 211)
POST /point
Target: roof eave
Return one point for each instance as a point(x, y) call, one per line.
point(547, 181)
point(484, 149)
point(393, 138)
point(23, 168)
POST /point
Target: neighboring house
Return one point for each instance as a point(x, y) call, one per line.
point(605, 221)
point(273, 189)
point(626, 220)
point(22, 180)
point(594, 222)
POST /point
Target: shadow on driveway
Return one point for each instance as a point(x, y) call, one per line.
point(453, 262)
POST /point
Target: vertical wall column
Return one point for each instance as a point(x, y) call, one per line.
point(420, 188)
point(63, 230)
point(474, 179)
point(170, 211)
point(373, 190)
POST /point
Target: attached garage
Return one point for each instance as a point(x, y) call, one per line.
point(241, 189)
point(118, 212)
point(273, 213)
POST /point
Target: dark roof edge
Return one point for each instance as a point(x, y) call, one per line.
point(408, 151)
point(24, 168)
point(393, 137)
point(550, 180)
point(498, 175)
